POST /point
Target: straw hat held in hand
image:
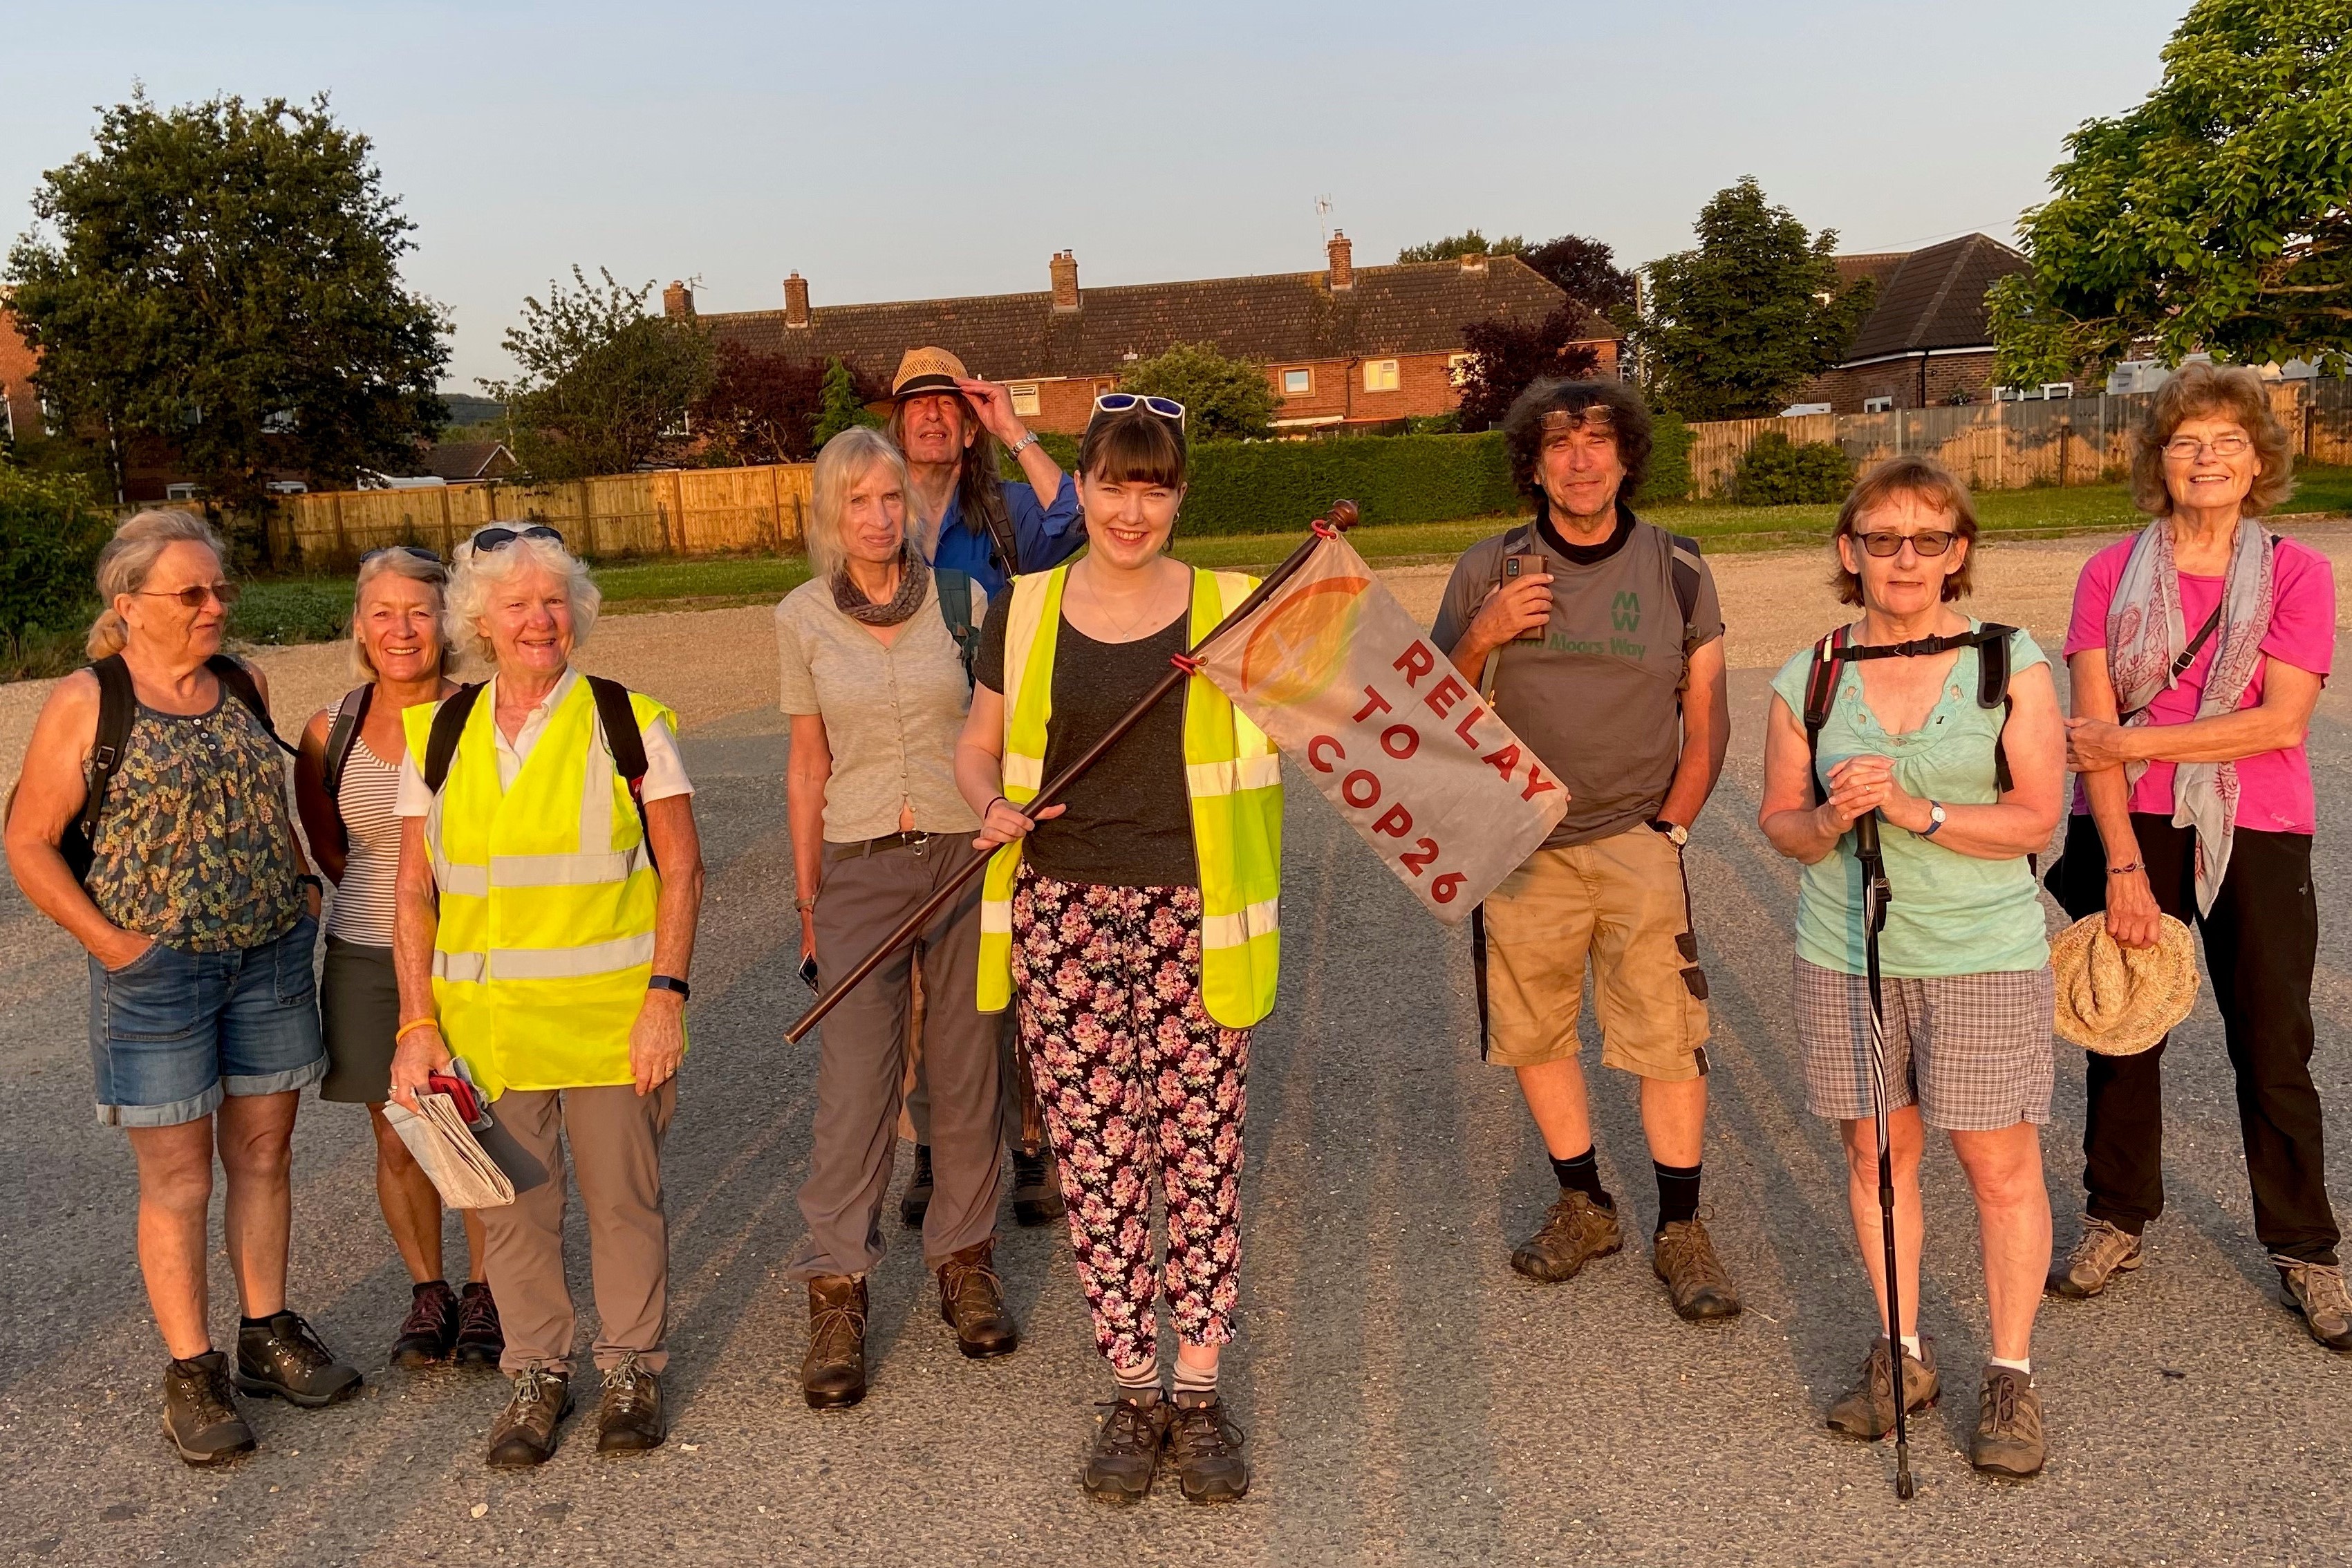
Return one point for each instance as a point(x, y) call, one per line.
point(2120, 1001)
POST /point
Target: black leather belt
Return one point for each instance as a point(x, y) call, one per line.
point(918, 842)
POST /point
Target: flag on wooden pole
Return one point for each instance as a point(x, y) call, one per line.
point(1343, 679)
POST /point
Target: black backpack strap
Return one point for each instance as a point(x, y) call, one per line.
point(118, 704)
point(232, 673)
point(1992, 690)
point(342, 736)
point(449, 727)
point(627, 744)
point(955, 608)
point(1820, 692)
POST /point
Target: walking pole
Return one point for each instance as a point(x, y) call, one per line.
point(1338, 520)
point(1873, 920)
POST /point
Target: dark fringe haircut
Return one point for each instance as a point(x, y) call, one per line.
point(1626, 414)
point(1134, 444)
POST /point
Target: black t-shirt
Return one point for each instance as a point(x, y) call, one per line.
point(1129, 822)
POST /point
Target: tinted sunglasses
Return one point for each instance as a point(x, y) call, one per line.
point(1927, 544)
point(1120, 401)
point(492, 539)
point(416, 550)
point(193, 598)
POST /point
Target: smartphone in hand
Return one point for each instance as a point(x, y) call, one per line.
point(1516, 567)
point(808, 972)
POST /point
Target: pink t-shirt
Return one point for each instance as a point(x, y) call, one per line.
point(2274, 787)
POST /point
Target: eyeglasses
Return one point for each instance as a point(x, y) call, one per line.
point(1120, 401)
point(2184, 448)
point(416, 550)
point(492, 539)
point(194, 599)
point(1884, 541)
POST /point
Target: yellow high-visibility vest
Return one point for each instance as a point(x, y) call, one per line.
point(1232, 773)
point(548, 894)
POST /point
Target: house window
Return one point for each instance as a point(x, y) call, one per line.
point(8, 418)
point(1103, 384)
point(1877, 404)
point(1379, 375)
point(1024, 399)
point(2057, 389)
point(1297, 380)
point(1457, 366)
point(180, 492)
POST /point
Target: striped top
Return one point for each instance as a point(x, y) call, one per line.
point(364, 898)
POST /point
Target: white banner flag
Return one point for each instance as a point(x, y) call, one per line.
point(1342, 678)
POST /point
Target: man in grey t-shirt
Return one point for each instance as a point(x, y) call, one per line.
point(1597, 637)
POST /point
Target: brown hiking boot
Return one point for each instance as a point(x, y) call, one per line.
point(524, 1433)
point(833, 1373)
point(1576, 1231)
point(1868, 1411)
point(1207, 1451)
point(2008, 1440)
point(629, 1417)
point(1127, 1450)
point(2103, 1252)
point(2316, 1290)
point(1036, 1189)
point(200, 1414)
point(971, 1302)
point(1697, 1282)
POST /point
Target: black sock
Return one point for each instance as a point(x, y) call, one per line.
point(253, 1322)
point(186, 1366)
point(1677, 1192)
point(429, 1285)
point(1582, 1174)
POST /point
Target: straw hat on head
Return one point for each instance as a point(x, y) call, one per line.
point(922, 370)
point(2120, 1001)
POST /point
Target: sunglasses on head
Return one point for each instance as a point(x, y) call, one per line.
point(492, 539)
point(193, 598)
point(1120, 401)
point(416, 550)
point(1885, 542)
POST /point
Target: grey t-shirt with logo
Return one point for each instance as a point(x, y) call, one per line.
point(1599, 700)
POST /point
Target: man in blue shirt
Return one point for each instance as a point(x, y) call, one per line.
point(949, 425)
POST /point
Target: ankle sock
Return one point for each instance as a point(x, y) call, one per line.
point(255, 1322)
point(1195, 1385)
point(419, 1290)
point(1140, 1382)
point(2022, 1366)
point(189, 1366)
point(1677, 1192)
point(1583, 1173)
point(1911, 1347)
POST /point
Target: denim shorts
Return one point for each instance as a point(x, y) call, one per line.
point(171, 1032)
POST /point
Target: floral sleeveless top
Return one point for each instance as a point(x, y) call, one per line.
point(195, 845)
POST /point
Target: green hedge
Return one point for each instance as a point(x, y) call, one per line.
point(1272, 487)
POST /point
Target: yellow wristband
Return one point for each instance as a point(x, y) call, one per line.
point(411, 1027)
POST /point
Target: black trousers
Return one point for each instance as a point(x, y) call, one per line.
point(2262, 941)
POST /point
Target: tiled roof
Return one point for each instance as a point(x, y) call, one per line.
point(468, 459)
point(1934, 299)
point(1277, 317)
point(1873, 265)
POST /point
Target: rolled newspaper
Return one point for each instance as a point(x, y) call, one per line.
point(461, 1170)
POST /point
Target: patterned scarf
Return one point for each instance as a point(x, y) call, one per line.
point(2145, 633)
point(914, 582)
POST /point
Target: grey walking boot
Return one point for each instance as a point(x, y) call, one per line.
point(2316, 1290)
point(2104, 1252)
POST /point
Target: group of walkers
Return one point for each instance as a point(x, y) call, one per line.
point(517, 880)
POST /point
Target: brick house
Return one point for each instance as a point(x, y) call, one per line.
point(1345, 346)
point(1928, 339)
point(20, 405)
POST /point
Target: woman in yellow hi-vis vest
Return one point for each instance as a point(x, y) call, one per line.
point(550, 879)
point(1136, 921)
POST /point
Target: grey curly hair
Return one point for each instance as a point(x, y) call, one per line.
point(478, 572)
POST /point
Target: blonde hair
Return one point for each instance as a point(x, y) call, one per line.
point(478, 572)
point(124, 564)
point(398, 563)
point(2202, 391)
point(845, 460)
point(1924, 480)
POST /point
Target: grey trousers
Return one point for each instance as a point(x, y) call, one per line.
point(1008, 1063)
point(862, 1062)
point(615, 1137)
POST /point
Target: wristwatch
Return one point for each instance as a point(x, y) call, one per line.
point(1021, 446)
point(670, 982)
point(1935, 818)
point(1675, 831)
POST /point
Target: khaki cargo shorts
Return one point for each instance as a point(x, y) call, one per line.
point(1623, 903)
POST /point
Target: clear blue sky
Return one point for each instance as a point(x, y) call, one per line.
point(908, 151)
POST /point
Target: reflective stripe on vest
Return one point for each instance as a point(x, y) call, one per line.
point(548, 895)
point(1231, 776)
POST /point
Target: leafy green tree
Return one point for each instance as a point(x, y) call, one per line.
point(841, 403)
point(1453, 247)
point(2216, 216)
point(1777, 471)
point(1224, 399)
point(49, 538)
point(225, 278)
point(1750, 314)
point(606, 386)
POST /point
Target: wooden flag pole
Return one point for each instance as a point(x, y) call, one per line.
point(1338, 520)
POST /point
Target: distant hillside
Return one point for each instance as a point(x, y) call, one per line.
point(466, 409)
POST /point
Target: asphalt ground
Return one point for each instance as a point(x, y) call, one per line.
point(1408, 1398)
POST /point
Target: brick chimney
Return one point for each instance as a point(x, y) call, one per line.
point(1474, 264)
point(796, 302)
point(1343, 262)
point(1065, 281)
point(677, 302)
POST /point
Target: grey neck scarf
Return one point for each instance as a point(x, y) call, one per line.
point(914, 582)
point(2145, 633)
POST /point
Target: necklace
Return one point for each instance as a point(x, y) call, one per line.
point(1125, 630)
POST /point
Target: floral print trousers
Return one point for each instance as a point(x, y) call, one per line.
point(1140, 1086)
